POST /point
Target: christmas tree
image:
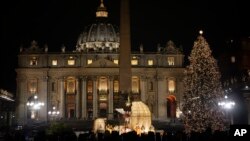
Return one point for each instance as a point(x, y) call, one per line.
point(202, 91)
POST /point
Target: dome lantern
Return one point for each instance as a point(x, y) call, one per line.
point(101, 11)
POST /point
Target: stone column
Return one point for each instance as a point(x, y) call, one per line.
point(78, 114)
point(247, 100)
point(179, 92)
point(21, 109)
point(95, 98)
point(62, 97)
point(110, 98)
point(43, 97)
point(84, 98)
point(161, 97)
point(143, 88)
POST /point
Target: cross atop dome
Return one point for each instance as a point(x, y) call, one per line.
point(101, 11)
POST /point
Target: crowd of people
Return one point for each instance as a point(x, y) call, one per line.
point(41, 135)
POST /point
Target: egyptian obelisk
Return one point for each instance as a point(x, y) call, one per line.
point(125, 48)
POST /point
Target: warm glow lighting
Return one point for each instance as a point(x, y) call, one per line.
point(54, 112)
point(170, 61)
point(71, 62)
point(135, 84)
point(201, 32)
point(116, 61)
point(89, 61)
point(134, 62)
point(54, 62)
point(150, 62)
point(171, 86)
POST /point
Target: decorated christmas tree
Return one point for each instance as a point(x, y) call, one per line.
point(202, 91)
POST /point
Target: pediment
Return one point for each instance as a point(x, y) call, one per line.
point(102, 63)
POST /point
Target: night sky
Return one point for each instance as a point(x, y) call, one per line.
point(56, 22)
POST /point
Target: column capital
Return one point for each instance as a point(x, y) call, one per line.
point(83, 78)
point(61, 78)
point(111, 78)
point(45, 78)
point(94, 78)
point(159, 77)
point(21, 79)
point(143, 77)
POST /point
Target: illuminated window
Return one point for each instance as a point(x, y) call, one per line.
point(233, 59)
point(32, 86)
point(135, 84)
point(103, 84)
point(150, 62)
point(171, 86)
point(116, 86)
point(33, 61)
point(170, 61)
point(54, 62)
point(71, 62)
point(89, 61)
point(71, 86)
point(134, 62)
point(116, 61)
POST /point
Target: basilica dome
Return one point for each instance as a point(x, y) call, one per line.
point(99, 36)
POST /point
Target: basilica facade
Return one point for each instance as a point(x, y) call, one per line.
point(84, 83)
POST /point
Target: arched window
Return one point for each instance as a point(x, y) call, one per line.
point(32, 86)
point(171, 85)
point(135, 84)
point(70, 97)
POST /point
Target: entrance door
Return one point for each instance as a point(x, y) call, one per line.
point(171, 106)
point(71, 113)
point(103, 109)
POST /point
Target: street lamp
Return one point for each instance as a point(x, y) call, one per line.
point(34, 105)
point(228, 105)
point(54, 113)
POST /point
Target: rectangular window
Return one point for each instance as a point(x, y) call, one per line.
point(89, 61)
point(71, 62)
point(54, 62)
point(116, 61)
point(150, 62)
point(134, 62)
point(33, 61)
point(171, 61)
